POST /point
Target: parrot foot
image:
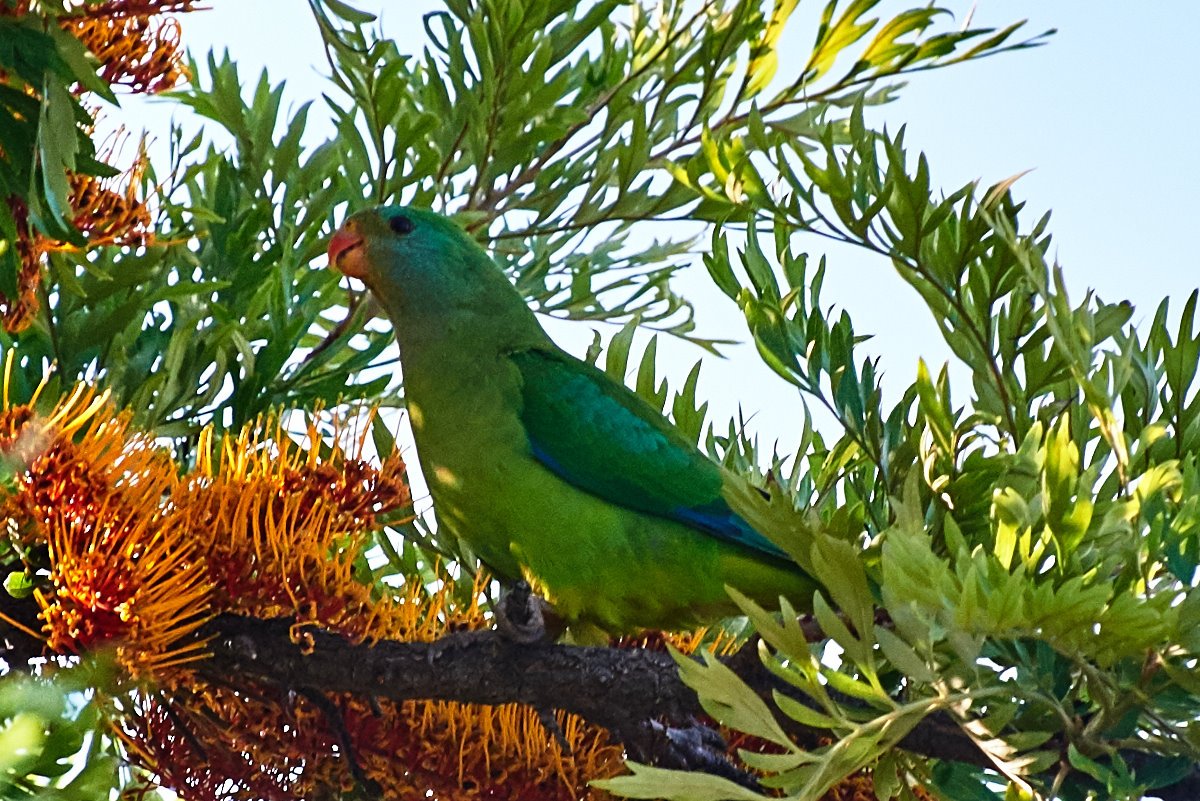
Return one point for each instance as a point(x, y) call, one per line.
point(521, 614)
point(520, 617)
point(694, 748)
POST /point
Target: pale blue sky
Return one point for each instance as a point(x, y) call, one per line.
point(1106, 115)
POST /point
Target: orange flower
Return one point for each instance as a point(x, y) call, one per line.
point(285, 527)
point(117, 576)
point(107, 211)
point(140, 557)
point(17, 313)
point(136, 46)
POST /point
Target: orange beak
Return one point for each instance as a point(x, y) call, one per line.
point(346, 252)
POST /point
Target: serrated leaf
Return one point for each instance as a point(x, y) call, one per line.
point(838, 565)
point(728, 699)
point(787, 638)
point(903, 657)
point(836, 630)
point(674, 785)
point(803, 714)
point(764, 59)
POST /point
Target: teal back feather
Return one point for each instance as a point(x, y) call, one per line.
point(601, 437)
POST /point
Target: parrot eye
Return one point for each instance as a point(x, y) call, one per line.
point(401, 224)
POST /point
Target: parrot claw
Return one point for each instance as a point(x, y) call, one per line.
point(520, 614)
point(696, 747)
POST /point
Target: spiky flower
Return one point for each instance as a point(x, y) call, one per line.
point(90, 493)
point(17, 312)
point(110, 211)
point(268, 525)
point(106, 211)
point(137, 46)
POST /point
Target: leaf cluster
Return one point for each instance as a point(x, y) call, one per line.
point(1030, 550)
point(52, 744)
point(45, 131)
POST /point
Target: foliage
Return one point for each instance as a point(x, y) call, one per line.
point(1020, 561)
point(48, 731)
point(187, 330)
point(45, 128)
point(58, 193)
point(1033, 551)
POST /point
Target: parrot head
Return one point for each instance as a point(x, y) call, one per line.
point(387, 241)
point(412, 256)
point(424, 269)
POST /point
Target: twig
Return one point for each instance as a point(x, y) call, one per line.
point(337, 724)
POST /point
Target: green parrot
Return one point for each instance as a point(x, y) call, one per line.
point(544, 465)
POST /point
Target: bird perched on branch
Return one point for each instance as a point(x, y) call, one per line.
point(544, 465)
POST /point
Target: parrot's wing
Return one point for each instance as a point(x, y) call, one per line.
point(599, 436)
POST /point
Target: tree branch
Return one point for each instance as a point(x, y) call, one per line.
point(610, 687)
point(636, 694)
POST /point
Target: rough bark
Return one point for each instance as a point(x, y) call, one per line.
point(634, 693)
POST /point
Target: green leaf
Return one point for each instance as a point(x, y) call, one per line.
point(383, 439)
point(673, 785)
point(616, 361)
point(728, 699)
point(58, 144)
point(803, 714)
point(18, 584)
point(962, 782)
point(347, 12)
point(903, 657)
point(1089, 766)
point(775, 763)
point(764, 59)
point(838, 565)
point(21, 741)
point(786, 637)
